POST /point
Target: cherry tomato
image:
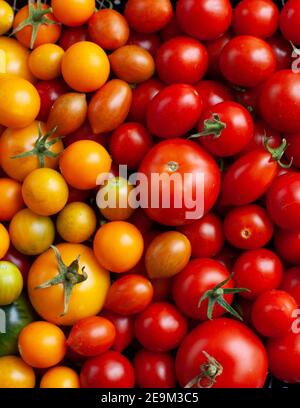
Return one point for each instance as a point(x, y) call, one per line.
point(141, 221)
point(282, 50)
point(149, 41)
point(73, 35)
point(261, 130)
point(15, 373)
point(85, 133)
point(21, 261)
point(162, 289)
point(289, 18)
point(7, 17)
point(11, 200)
point(291, 283)
point(214, 49)
point(213, 93)
point(293, 149)
point(45, 61)
point(171, 29)
point(124, 326)
point(287, 243)
point(49, 92)
point(73, 12)
point(60, 377)
point(11, 283)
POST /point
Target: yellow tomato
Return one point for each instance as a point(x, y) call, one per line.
point(60, 377)
point(45, 61)
point(6, 17)
point(15, 373)
point(4, 241)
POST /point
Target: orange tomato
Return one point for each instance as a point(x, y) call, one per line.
point(85, 66)
point(11, 200)
point(15, 373)
point(73, 12)
point(42, 344)
point(4, 241)
point(83, 162)
point(60, 377)
point(45, 61)
point(118, 246)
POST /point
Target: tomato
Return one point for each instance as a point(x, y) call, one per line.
point(42, 344)
point(60, 377)
point(76, 223)
point(225, 129)
point(213, 93)
point(259, 18)
point(261, 130)
point(31, 234)
point(19, 102)
point(289, 18)
point(249, 98)
point(33, 26)
point(272, 313)
point(15, 373)
point(141, 221)
point(248, 227)
point(45, 61)
point(287, 243)
point(283, 201)
point(167, 254)
point(85, 133)
point(11, 283)
point(214, 49)
point(93, 158)
point(49, 91)
point(109, 370)
point(162, 289)
point(4, 241)
point(85, 294)
point(142, 94)
point(150, 42)
point(282, 50)
point(280, 102)
point(25, 150)
point(227, 256)
point(154, 370)
point(204, 20)
point(124, 326)
point(174, 111)
point(179, 157)
point(109, 29)
point(258, 270)
point(6, 17)
point(222, 353)
point(205, 235)
point(72, 35)
point(291, 283)
point(148, 16)
point(241, 66)
point(171, 29)
point(11, 200)
point(181, 60)
point(132, 64)
point(160, 327)
point(45, 191)
point(22, 262)
point(293, 149)
point(129, 295)
point(85, 66)
point(109, 106)
point(122, 238)
point(73, 12)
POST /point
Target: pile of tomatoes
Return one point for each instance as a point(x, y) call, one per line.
point(95, 295)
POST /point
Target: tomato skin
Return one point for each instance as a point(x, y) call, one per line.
point(60, 377)
point(177, 101)
point(45, 61)
point(248, 227)
point(150, 42)
point(214, 49)
point(11, 200)
point(171, 29)
point(11, 283)
point(238, 350)
point(160, 327)
point(289, 18)
point(258, 270)
point(15, 373)
point(260, 130)
point(49, 92)
point(72, 35)
point(124, 326)
point(287, 244)
point(204, 20)
point(213, 93)
point(154, 370)
point(291, 282)
point(73, 12)
point(7, 17)
point(282, 51)
point(109, 370)
point(293, 149)
point(21, 261)
point(181, 60)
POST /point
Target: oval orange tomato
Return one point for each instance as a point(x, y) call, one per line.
point(73, 12)
point(15, 373)
point(11, 200)
point(60, 377)
point(45, 61)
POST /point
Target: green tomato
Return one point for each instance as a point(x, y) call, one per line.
point(11, 283)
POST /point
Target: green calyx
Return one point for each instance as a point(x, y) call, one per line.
point(68, 276)
point(36, 18)
point(216, 295)
point(278, 152)
point(213, 126)
point(102, 4)
point(209, 371)
point(41, 147)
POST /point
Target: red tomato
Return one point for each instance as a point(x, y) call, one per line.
point(162, 289)
point(293, 149)
point(150, 42)
point(227, 256)
point(171, 30)
point(160, 327)
point(249, 98)
point(109, 370)
point(141, 221)
point(73, 35)
point(85, 133)
point(291, 282)
point(49, 91)
point(287, 244)
point(154, 370)
point(282, 50)
point(213, 93)
point(124, 326)
point(222, 353)
point(289, 21)
point(214, 49)
point(261, 130)
point(258, 270)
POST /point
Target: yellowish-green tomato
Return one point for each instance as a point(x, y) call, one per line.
point(11, 283)
point(6, 17)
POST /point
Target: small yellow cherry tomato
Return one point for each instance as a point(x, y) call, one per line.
point(11, 283)
point(4, 241)
point(15, 373)
point(6, 17)
point(45, 61)
point(60, 377)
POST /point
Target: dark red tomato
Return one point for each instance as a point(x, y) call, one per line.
point(248, 227)
point(141, 96)
point(261, 130)
point(141, 221)
point(284, 357)
point(247, 61)
point(22, 262)
point(225, 129)
point(148, 16)
point(129, 144)
point(49, 91)
point(221, 353)
point(160, 327)
point(227, 256)
point(129, 295)
point(212, 93)
point(154, 370)
point(185, 161)
point(291, 283)
point(289, 21)
point(249, 98)
point(174, 111)
point(259, 18)
point(92, 336)
point(77, 195)
point(214, 49)
point(171, 30)
point(280, 101)
point(206, 19)
point(181, 60)
point(124, 326)
point(85, 133)
point(293, 149)
point(283, 201)
point(162, 289)
point(109, 370)
point(273, 313)
point(205, 235)
point(198, 277)
point(150, 42)
point(287, 244)
point(258, 270)
point(73, 35)
point(282, 50)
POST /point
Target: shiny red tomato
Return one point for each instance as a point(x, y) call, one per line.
point(287, 244)
point(291, 282)
point(289, 21)
point(214, 49)
point(150, 42)
point(261, 130)
point(212, 93)
point(124, 326)
point(282, 50)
